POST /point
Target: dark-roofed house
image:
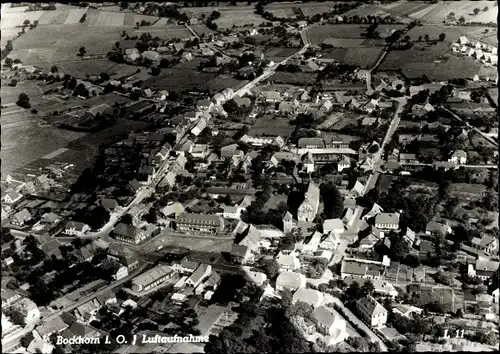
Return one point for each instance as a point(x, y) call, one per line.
point(356, 268)
point(152, 278)
point(76, 228)
point(241, 254)
point(204, 105)
point(212, 282)
point(331, 324)
point(199, 222)
point(371, 311)
point(185, 266)
point(128, 234)
point(68, 318)
point(484, 269)
point(202, 272)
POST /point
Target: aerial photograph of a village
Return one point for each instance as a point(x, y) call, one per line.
point(249, 177)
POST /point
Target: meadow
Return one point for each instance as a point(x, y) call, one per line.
point(269, 125)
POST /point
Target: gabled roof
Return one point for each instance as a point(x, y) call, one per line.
point(199, 273)
point(23, 215)
point(309, 296)
point(371, 305)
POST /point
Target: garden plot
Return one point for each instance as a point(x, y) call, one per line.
point(74, 16)
point(272, 125)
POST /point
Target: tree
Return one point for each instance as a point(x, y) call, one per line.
point(17, 318)
point(23, 101)
point(127, 219)
point(82, 51)
point(353, 292)
point(81, 90)
point(35, 23)
point(420, 38)
point(442, 36)
point(427, 38)
point(124, 5)
point(332, 200)
point(54, 69)
point(368, 288)
point(155, 71)
point(8, 62)
point(26, 340)
point(461, 20)
point(476, 11)
point(485, 8)
point(270, 267)
point(26, 22)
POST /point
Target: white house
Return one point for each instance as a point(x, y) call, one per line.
point(28, 309)
point(458, 157)
point(371, 311)
point(331, 323)
point(333, 225)
point(76, 228)
point(387, 221)
point(288, 262)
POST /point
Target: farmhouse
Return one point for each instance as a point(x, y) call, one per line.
point(152, 278)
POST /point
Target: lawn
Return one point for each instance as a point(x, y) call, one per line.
point(271, 125)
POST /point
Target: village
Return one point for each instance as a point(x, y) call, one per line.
point(365, 201)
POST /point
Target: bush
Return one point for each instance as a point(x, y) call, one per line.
point(13, 83)
point(34, 111)
point(84, 18)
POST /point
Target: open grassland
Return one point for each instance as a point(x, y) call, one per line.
point(298, 78)
point(166, 32)
point(374, 10)
point(454, 33)
point(239, 18)
point(286, 9)
point(318, 34)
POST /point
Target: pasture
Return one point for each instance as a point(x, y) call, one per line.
point(286, 9)
point(318, 34)
point(298, 78)
point(178, 80)
point(239, 18)
point(270, 124)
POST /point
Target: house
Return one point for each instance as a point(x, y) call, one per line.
point(173, 209)
point(257, 278)
point(458, 157)
point(308, 209)
point(185, 266)
point(343, 163)
point(152, 278)
point(12, 197)
point(241, 254)
point(357, 190)
point(9, 296)
point(310, 244)
point(291, 281)
point(288, 222)
point(200, 223)
point(371, 311)
point(50, 218)
point(308, 163)
point(270, 96)
point(38, 345)
point(204, 105)
point(21, 218)
point(329, 322)
point(46, 329)
point(155, 57)
point(484, 269)
point(202, 272)
point(435, 228)
point(359, 268)
point(28, 309)
point(330, 242)
point(129, 234)
point(387, 221)
point(229, 212)
point(333, 225)
point(380, 287)
point(288, 262)
point(199, 127)
point(407, 158)
point(212, 281)
point(486, 243)
point(309, 296)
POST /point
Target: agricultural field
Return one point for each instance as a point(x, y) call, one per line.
point(375, 10)
point(362, 57)
point(278, 53)
point(9, 94)
point(452, 33)
point(239, 18)
point(294, 78)
point(424, 59)
point(436, 13)
point(285, 9)
point(222, 82)
point(178, 80)
point(318, 34)
point(272, 125)
point(165, 32)
point(96, 18)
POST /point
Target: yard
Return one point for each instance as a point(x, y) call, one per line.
point(272, 125)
